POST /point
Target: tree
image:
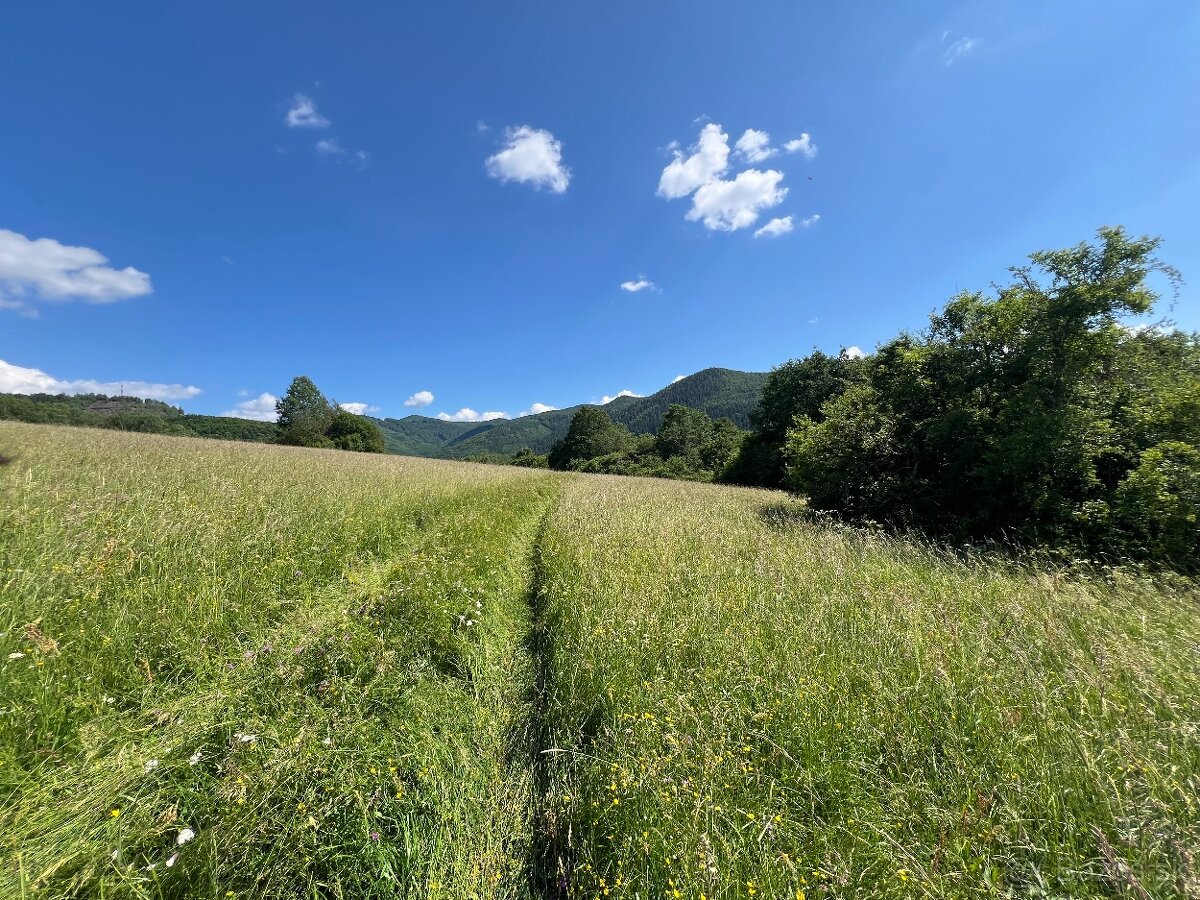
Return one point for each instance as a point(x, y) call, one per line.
point(592, 433)
point(799, 387)
point(1034, 414)
point(304, 415)
point(350, 432)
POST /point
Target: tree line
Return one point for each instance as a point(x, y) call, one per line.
point(1036, 414)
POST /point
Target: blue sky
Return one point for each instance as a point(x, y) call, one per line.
point(161, 222)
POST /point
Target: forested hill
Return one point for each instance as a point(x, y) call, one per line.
point(717, 392)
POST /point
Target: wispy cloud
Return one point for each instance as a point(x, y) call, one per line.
point(677, 379)
point(43, 269)
point(642, 284)
point(775, 228)
point(303, 114)
point(958, 49)
point(259, 409)
point(21, 380)
point(530, 156)
point(329, 147)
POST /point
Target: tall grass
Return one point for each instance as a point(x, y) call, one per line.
point(244, 671)
point(233, 670)
point(741, 705)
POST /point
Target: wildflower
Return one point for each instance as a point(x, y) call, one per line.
point(171, 861)
point(115, 812)
point(195, 758)
point(184, 836)
point(17, 655)
point(151, 765)
point(375, 835)
point(242, 738)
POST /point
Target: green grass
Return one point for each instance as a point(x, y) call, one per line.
point(669, 689)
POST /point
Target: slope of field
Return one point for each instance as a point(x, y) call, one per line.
point(248, 671)
point(741, 704)
point(239, 670)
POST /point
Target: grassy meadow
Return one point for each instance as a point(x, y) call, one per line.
point(233, 670)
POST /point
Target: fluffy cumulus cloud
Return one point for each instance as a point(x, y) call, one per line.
point(755, 146)
point(419, 399)
point(303, 114)
point(466, 414)
point(802, 145)
point(21, 380)
point(708, 160)
point(625, 393)
point(642, 284)
point(720, 202)
point(359, 409)
point(537, 409)
point(260, 408)
point(677, 379)
point(853, 353)
point(44, 269)
point(530, 156)
point(730, 205)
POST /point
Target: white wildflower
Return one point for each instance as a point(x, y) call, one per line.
point(17, 655)
point(243, 738)
point(171, 861)
point(151, 765)
point(195, 758)
point(184, 836)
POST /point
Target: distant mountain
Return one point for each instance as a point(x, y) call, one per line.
point(718, 392)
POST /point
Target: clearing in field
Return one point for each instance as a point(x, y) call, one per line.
point(230, 670)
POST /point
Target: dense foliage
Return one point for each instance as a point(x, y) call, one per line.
point(689, 445)
point(1035, 415)
point(133, 414)
point(308, 419)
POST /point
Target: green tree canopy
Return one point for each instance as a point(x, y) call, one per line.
point(304, 415)
point(350, 432)
point(592, 433)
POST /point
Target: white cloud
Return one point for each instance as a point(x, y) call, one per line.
point(625, 393)
point(329, 147)
point(21, 380)
point(530, 156)
point(852, 353)
point(958, 49)
point(709, 159)
point(730, 205)
point(641, 284)
point(775, 227)
point(44, 269)
point(260, 409)
point(537, 409)
point(677, 379)
point(803, 145)
point(467, 414)
point(303, 114)
point(420, 398)
point(810, 221)
point(755, 146)
point(359, 409)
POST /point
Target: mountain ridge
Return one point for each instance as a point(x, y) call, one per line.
point(718, 392)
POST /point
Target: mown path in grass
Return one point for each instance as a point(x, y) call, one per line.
point(248, 671)
point(242, 671)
